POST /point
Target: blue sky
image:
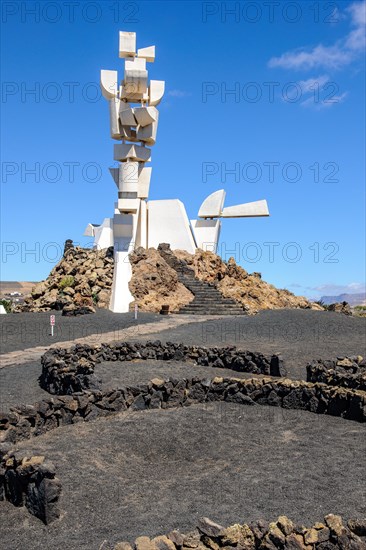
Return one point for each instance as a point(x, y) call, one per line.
point(291, 130)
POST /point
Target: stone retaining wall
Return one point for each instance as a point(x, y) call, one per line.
point(331, 534)
point(68, 371)
point(30, 482)
point(27, 421)
point(348, 372)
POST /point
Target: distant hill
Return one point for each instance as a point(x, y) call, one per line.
point(16, 286)
point(358, 299)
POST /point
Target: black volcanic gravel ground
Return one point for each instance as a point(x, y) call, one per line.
point(148, 472)
point(152, 471)
point(28, 330)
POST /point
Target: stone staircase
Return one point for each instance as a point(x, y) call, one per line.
point(207, 299)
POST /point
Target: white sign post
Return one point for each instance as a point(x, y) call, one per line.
point(136, 308)
point(52, 322)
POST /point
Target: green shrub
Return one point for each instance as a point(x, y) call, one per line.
point(95, 298)
point(66, 281)
point(7, 305)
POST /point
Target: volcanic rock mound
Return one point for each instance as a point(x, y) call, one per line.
point(83, 279)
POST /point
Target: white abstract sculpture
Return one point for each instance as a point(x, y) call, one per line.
point(137, 222)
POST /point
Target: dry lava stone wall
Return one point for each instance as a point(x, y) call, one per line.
point(68, 371)
point(27, 421)
point(30, 482)
point(331, 534)
point(348, 372)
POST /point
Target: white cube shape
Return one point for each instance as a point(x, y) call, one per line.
point(109, 83)
point(128, 177)
point(135, 64)
point(148, 134)
point(135, 80)
point(145, 115)
point(126, 151)
point(126, 114)
point(147, 53)
point(127, 44)
point(128, 205)
point(133, 97)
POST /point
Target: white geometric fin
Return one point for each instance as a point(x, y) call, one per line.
point(247, 210)
point(148, 53)
point(109, 83)
point(212, 205)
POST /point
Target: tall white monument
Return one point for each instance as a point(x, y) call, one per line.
point(138, 222)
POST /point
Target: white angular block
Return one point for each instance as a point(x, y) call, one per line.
point(103, 234)
point(115, 125)
point(247, 210)
point(109, 83)
point(168, 223)
point(136, 64)
point(147, 134)
point(126, 115)
point(128, 205)
point(156, 91)
point(89, 230)
point(145, 115)
point(212, 205)
point(127, 151)
point(128, 177)
point(115, 174)
point(135, 79)
point(127, 44)
point(148, 53)
point(206, 234)
point(143, 185)
point(133, 97)
point(129, 133)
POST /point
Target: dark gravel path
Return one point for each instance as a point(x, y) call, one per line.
point(148, 472)
point(299, 335)
point(28, 330)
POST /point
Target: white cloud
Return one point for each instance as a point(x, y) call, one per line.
point(334, 289)
point(178, 93)
point(309, 85)
point(336, 56)
point(326, 104)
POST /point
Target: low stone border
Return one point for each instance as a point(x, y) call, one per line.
point(27, 421)
point(331, 534)
point(66, 371)
point(348, 372)
point(30, 482)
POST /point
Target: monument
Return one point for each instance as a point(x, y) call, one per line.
point(137, 221)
